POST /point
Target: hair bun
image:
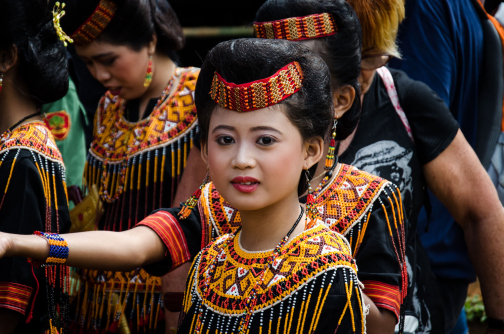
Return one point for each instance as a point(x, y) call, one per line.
point(42, 61)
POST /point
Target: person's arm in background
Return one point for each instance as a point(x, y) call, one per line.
point(459, 180)
point(456, 176)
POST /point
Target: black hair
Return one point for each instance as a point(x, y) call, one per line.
point(240, 61)
point(341, 51)
point(41, 57)
point(134, 23)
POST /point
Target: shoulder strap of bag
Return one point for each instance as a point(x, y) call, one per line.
point(386, 76)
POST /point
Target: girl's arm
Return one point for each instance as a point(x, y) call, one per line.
point(379, 320)
point(98, 250)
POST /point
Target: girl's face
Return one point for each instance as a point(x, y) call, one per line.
point(256, 158)
point(119, 68)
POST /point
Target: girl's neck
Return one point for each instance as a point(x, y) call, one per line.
point(264, 229)
point(14, 106)
point(163, 69)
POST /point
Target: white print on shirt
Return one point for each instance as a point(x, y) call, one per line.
point(388, 160)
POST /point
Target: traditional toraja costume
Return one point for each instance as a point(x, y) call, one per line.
point(366, 209)
point(33, 197)
point(306, 285)
point(133, 167)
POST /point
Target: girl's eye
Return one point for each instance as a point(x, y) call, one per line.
point(265, 141)
point(108, 62)
point(225, 140)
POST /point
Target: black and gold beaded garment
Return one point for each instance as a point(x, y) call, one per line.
point(312, 287)
point(136, 167)
point(33, 198)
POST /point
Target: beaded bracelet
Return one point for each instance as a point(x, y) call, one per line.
point(58, 248)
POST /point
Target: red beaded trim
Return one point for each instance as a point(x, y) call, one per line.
point(297, 28)
point(257, 94)
point(96, 23)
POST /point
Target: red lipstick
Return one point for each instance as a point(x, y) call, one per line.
point(245, 184)
point(115, 91)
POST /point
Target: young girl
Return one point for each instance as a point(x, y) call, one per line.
point(265, 108)
point(142, 156)
point(33, 71)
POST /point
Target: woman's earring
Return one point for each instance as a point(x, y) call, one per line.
point(190, 204)
point(1, 81)
point(312, 213)
point(148, 76)
point(331, 154)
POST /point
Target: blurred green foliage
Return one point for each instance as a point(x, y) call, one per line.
point(475, 310)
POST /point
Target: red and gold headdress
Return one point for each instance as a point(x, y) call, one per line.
point(297, 28)
point(96, 23)
point(257, 94)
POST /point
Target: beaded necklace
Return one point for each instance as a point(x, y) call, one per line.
point(251, 300)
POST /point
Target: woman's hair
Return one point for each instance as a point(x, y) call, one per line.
point(41, 57)
point(341, 51)
point(380, 21)
point(134, 23)
point(311, 109)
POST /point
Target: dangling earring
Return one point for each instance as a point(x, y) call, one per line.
point(186, 209)
point(1, 81)
point(331, 154)
point(148, 76)
point(312, 213)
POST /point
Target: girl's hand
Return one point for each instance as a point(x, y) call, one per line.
point(5, 244)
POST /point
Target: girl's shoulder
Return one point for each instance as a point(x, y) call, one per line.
point(348, 198)
point(32, 136)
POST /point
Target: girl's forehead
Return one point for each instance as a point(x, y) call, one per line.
point(273, 116)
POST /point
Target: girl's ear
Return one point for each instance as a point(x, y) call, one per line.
point(204, 152)
point(343, 99)
point(8, 58)
point(314, 150)
point(151, 49)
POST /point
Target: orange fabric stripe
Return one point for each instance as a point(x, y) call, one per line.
point(168, 229)
point(384, 296)
point(15, 296)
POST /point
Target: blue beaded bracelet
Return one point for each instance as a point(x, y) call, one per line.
point(58, 248)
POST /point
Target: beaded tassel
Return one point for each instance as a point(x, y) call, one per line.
point(148, 75)
point(186, 209)
point(312, 213)
point(329, 163)
point(10, 176)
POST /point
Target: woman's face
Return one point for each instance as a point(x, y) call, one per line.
point(372, 59)
point(255, 158)
point(119, 68)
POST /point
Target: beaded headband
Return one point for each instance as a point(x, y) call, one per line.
point(96, 23)
point(297, 28)
point(257, 94)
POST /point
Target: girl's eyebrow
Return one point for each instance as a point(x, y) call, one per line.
point(264, 128)
point(223, 127)
point(101, 55)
